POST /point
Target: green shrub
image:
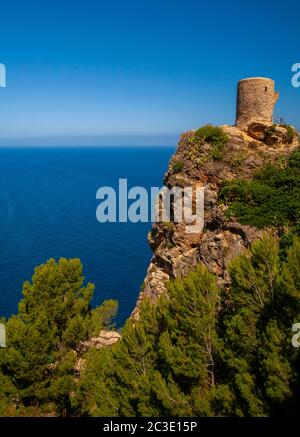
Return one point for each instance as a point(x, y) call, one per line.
point(270, 132)
point(237, 159)
point(215, 136)
point(290, 132)
point(178, 167)
point(294, 159)
point(272, 198)
point(212, 134)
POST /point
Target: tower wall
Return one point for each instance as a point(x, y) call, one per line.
point(256, 98)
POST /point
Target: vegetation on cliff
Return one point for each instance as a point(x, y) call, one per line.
point(272, 198)
point(202, 352)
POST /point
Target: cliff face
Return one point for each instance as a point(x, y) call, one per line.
point(176, 252)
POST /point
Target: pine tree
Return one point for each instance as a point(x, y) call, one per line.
point(37, 366)
point(203, 352)
point(164, 364)
point(257, 354)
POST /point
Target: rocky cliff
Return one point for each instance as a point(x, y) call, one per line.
point(199, 162)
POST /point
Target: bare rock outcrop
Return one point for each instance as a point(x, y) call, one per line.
point(105, 338)
point(273, 135)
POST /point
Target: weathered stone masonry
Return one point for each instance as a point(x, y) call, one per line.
point(256, 98)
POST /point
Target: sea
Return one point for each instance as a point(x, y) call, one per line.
point(48, 210)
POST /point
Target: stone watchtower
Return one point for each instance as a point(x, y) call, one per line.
point(256, 98)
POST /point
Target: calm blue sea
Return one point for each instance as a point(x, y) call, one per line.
point(47, 209)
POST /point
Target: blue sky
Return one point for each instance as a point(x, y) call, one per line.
point(138, 72)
